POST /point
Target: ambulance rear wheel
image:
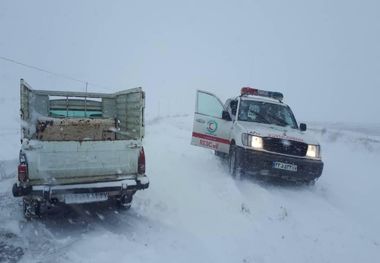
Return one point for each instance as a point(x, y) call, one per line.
point(220, 154)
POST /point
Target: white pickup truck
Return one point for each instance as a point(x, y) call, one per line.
point(259, 134)
point(80, 147)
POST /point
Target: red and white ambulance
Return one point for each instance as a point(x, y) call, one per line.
point(258, 133)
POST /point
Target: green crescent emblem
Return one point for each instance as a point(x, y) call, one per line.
point(212, 126)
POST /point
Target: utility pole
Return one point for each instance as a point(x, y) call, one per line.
point(85, 102)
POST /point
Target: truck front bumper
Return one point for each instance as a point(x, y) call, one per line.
point(57, 192)
point(262, 164)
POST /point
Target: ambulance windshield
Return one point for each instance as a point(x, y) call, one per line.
point(265, 112)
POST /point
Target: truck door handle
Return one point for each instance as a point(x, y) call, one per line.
point(200, 120)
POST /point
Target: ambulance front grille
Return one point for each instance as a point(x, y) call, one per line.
point(285, 146)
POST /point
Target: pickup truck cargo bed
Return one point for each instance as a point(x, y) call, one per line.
point(80, 147)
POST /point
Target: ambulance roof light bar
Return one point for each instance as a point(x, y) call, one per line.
point(257, 92)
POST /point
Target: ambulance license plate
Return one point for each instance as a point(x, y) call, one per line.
point(285, 166)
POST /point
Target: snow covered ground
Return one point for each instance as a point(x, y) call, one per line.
point(194, 211)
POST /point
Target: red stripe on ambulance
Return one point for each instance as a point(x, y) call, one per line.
point(210, 138)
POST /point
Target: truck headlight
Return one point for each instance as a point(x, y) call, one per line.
point(255, 142)
point(313, 151)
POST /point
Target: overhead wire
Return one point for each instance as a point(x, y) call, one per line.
point(64, 76)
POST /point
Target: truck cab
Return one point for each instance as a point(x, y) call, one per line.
point(259, 135)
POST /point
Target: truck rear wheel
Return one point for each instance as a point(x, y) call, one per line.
point(124, 202)
point(31, 208)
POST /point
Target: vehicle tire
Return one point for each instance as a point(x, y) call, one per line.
point(235, 162)
point(31, 208)
point(124, 206)
point(124, 202)
point(25, 209)
point(220, 154)
point(232, 161)
point(311, 182)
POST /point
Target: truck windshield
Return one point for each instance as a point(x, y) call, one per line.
point(265, 112)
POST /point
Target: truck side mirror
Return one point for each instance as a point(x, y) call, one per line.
point(226, 116)
point(303, 127)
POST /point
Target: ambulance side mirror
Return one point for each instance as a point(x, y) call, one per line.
point(303, 127)
point(226, 116)
point(233, 106)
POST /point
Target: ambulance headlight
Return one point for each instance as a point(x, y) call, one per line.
point(313, 151)
point(255, 142)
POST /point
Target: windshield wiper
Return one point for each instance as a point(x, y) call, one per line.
point(281, 121)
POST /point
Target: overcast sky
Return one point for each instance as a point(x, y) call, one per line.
point(323, 55)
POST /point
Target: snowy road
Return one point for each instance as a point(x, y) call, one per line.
point(195, 212)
